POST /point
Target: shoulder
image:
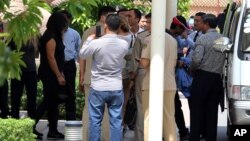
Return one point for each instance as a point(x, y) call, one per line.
point(47, 36)
point(143, 34)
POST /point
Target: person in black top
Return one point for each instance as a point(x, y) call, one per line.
point(51, 49)
point(28, 79)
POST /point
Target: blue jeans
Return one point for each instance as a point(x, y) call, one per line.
point(96, 103)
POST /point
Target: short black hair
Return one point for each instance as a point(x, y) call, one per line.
point(148, 16)
point(121, 10)
point(210, 19)
point(105, 10)
point(200, 14)
point(65, 12)
point(113, 22)
point(137, 13)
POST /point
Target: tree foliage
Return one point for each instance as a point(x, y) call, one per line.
point(183, 7)
point(24, 25)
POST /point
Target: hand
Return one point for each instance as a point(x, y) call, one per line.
point(91, 37)
point(184, 34)
point(180, 64)
point(81, 84)
point(61, 80)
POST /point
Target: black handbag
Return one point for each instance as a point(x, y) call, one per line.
point(62, 94)
point(131, 110)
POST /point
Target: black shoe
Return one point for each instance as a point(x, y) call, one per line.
point(39, 136)
point(37, 133)
point(186, 137)
point(54, 135)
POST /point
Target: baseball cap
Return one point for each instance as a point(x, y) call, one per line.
point(181, 21)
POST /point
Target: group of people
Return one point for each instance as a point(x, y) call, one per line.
point(113, 61)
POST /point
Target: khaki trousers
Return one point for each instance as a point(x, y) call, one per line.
point(169, 125)
point(85, 119)
point(139, 125)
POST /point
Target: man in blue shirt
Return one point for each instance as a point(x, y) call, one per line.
point(71, 41)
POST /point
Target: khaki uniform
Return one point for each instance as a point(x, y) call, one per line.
point(169, 126)
point(87, 81)
point(135, 68)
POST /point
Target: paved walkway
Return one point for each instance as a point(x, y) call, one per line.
point(43, 128)
point(42, 125)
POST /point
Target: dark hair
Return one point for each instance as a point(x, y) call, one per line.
point(210, 19)
point(148, 16)
point(200, 14)
point(137, 13)
point(113, 22)
point(105, 10)
point(121, 10)
point(65, 12)
point(56, 23)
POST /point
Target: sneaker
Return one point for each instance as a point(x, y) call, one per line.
point(54, 135)
point(186, 137)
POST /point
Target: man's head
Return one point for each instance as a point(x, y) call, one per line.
point(179, 25)
point(134, 16)
point(209, 21)
point(143, 22)
point(148, 22)
point(198, 21)
point(104, 11)
point(112, 23)
point(123, 12)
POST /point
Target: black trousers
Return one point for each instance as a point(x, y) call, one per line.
point(206, 91)
point(4, 100)
point(29, 80)
point(179, 117)
point(70, 76)
point(50, 102)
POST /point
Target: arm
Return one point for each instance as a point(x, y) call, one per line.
point(50, 51)
point(145, 55)
point(87, 48)
point(77, 45)
point(145, 63)
point(82, 66)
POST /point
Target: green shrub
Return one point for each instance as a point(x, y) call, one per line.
point(17, 130)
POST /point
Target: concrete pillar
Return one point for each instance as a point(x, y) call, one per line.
point(157, 70)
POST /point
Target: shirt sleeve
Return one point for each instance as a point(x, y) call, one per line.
point(146, 49)
point(88, 48)
point(197, 55)
point(78, 44)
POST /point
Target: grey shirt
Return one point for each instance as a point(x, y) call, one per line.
point(204, 56)
point(107, 54)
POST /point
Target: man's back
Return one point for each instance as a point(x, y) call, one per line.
point(108, 53)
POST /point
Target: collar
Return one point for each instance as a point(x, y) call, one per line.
point(211, 30)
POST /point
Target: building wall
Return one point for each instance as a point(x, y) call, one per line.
point(207, 6)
